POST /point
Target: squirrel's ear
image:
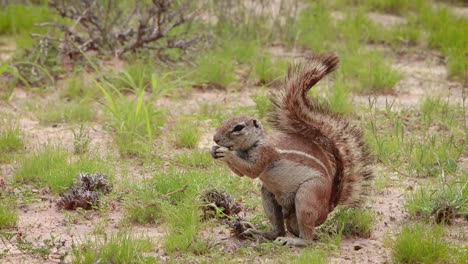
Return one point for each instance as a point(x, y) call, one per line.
point(256, 123)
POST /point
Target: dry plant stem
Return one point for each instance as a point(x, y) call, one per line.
point(103, 26)
point(169, 194)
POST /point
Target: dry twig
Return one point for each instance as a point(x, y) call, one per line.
point(107, 27)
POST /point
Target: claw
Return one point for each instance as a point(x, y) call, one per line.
point(218, 152)
point(213, 151)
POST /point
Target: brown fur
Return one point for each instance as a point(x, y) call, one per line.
point(316, 160)
point(295, 114)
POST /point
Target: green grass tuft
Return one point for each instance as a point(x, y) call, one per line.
point(447, 32)
point(172, 198)
point(262, 105)
point(396, 6)
point(71, 112)
point(216, 68)
point(407, 34)
point(119, 248)
point(314, 28)
point(8, 215)
point(423, 142)
point(437, 154)
point(77, 89)
point(348, 222)
point(440, 204)
point(184, 224)
point(268, 69)
point(339, 98)
point(134, 122)
point(187, 134)
point(369, 69)
point(242, 50)
point(438, 112)
point(314, 256)
point(143, 206)
point(11, 142)
point(81, 140)
point(355, 29)
point(15, 19)
point(418, 243)
point(136, 76)
point(53, 167)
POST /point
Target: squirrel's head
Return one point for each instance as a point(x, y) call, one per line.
point(239, 133)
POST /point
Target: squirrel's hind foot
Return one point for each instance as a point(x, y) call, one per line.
point(292, 241)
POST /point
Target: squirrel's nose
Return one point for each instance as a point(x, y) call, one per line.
point(216, 139)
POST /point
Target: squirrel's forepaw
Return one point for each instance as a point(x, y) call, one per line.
point(221, 153)
point(213, 152)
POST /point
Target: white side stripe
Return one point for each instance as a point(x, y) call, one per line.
point(300, 153)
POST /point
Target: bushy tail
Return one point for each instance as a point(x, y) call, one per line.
point(294, 113)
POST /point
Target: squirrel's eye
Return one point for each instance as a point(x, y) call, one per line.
point(238, 128)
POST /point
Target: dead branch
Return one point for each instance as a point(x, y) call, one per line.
point(110, 28)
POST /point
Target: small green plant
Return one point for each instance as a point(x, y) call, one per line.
point(215, 68)
point(144, 205)
point(81, 140)
point(314, 28)
point(356, 28)
point(262, 105)
point(135, 122)
point(78, 89)
point(184, 224)
point(418, 152)
point(339, 98)
point(440, 204)
point(73, 111)
point(314, 256)
point(187, 135)
point(20, 20)
point(433, 156)
point(12, 77)
point(213, 112)
point(8, 216)
point(15, 18)
point(447, 32)
point(377, 75)
point(118, 248)
point(417, 243)
point(407, 34)
point(348, 221)
point(386, 141)
point(267, 69)
point(370, 70)
point(11, 142)
point(396, 6)
point(136, 76)
point(52, 167)
point(436, 111)
point(241, 49)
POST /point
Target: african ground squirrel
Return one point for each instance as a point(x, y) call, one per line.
point(315, 160)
